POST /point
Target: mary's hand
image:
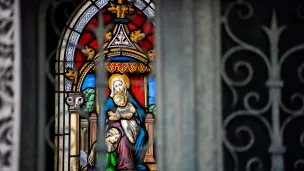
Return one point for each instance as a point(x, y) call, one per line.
point(110, 113)
point(132, 108)
point(113, 116)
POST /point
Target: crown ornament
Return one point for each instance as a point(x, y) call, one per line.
point(121, 9)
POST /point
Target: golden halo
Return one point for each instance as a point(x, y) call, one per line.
point(122, 76)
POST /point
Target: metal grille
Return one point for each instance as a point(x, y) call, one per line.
point(262, 78)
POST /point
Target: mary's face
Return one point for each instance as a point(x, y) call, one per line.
point(118, 86)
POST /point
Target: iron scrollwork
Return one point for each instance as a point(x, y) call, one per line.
point(7, 80)
point(257, 124)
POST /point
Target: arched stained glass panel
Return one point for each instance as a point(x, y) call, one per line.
point(129, 109)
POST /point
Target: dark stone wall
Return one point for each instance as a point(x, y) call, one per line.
point(29, 87)
point(55, 15)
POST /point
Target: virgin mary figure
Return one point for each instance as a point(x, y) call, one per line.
point(128, 155)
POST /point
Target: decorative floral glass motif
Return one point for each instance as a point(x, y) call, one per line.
point(129, 109)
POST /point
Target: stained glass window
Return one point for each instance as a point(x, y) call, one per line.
point(129, 109)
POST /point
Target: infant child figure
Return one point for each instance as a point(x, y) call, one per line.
point(125, 113)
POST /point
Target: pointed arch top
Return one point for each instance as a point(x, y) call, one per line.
point(85, 13)
point(78, 33)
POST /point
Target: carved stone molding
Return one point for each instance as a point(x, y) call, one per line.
point(150, 126)
point(9, 85)
point(75, 101)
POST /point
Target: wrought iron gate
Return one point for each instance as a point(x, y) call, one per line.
point(262, 80)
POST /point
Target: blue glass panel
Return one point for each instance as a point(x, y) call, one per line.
point(89, 82)
point(122, 58)
point(152, 88)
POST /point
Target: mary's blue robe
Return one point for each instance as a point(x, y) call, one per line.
point(142, 139)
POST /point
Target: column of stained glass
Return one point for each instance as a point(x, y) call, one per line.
point(66, 117)
point(62, 115)
point(59, 101)
point(67, 64)
point(66, 140)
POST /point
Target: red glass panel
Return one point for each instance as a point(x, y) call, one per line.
point(147, 27)
point(137, 88)
point(145, 45)
point(138, 20)
point(151, 39)
point(132, 27)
